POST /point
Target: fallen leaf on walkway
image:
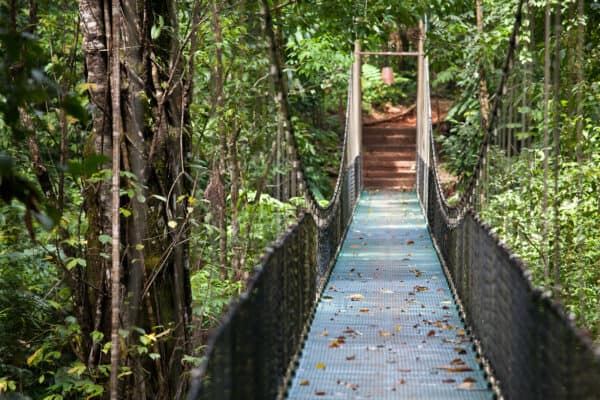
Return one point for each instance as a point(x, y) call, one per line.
point(457, 361)
point(356, 297)
point(384, 334)
point(364, 310)
point(431, 333)
point(469, 379)
point(421, 288)
point(410, 242)
point(335, 343)
point(350, 358)
point(304, 383)
point(460, 350)
point(450, 368)
point(465, 386)
point(320, 393)
point(398, 328)
point(320, 366)
point(325, 333)
point(355, 246)
point(449, 380)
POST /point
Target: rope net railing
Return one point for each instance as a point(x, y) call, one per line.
point(252, 353)
point(531, 345)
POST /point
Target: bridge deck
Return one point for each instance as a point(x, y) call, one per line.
point(386, 326)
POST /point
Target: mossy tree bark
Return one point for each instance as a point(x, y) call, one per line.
point(155, 285)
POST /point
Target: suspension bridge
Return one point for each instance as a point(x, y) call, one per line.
point(388, 292)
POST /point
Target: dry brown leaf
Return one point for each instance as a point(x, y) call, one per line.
point(304, 383)
point(320, 393)
point(452, 369)
point(460, 350)
point(449, 380)
point(334, 343)
point(364, 310)
point(457, 361)
point(350, 358)
point(356, 297)
point(431, 333)
point(355, 246)
point(469, 379)
point(410, 242)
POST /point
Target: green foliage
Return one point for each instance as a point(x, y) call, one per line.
point(517, 217)
point(267, 217)
point(376, 93)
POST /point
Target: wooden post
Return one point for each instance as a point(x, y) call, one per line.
point(354, 148)
point(422, 128)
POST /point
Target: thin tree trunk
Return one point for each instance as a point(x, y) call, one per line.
point(222, 148)
point(115, 281)
point(580, 138)
point(546, 143)
point(234, 176)
point(556, 140)
point(484, 98)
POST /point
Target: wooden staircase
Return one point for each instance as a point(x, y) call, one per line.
point(389, 157)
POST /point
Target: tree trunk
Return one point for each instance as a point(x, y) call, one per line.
point(546, 142)
point(114, 40)
point(556, 145)
point(484, 98)
point(222, 134)
point(579, 128)
point(155, 282)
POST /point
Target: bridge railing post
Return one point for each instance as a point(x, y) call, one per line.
point(354, 147)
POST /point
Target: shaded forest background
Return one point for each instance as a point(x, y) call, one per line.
point(206, 181)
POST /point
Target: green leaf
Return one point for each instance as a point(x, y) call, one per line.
point(77, 369)
point(104, 239)
point(74, 262)
point(97, 336)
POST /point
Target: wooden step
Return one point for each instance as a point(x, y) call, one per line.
point(393, 148)
point(386, 131)
point(370, 156)
point(384, 173)
point(389, 183)
point(396, 140)
point(375, 163)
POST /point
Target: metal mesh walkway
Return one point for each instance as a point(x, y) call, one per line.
point(386, 325)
